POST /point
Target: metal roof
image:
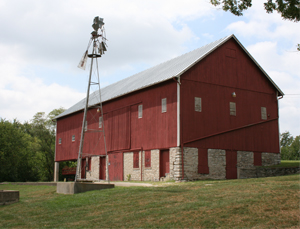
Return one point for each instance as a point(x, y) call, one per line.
point(157, 74)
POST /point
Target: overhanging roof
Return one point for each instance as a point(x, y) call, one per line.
point(157, 74)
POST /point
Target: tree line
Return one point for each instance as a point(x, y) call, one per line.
point(27, 150)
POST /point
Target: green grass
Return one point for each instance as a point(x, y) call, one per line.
point(259, 203)
point(286, 164)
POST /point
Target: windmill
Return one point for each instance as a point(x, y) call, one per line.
point(98, 43)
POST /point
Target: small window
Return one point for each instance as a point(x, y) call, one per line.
point(100, 122)
point(264, 113)
point(198, 106)
point(59, 141)
point(164, 105)
point(73, 138)
point(147, 158)
point(140, 111)
point(232, 108)
point(85, 126)
point(135, 159)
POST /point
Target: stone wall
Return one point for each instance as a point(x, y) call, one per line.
point(245, 159)
point(128, 167)
point(256, 172)
point(151, 173)
point(217, 164)
point(268, 159)
point(175, 164)
point(94, 172)
point(148, 173)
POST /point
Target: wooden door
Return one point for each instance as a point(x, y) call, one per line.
point(102, 168)
point(231, 164)
point(83, 163)
point(164, 163)
point(115, 166)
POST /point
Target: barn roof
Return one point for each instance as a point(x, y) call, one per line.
point(157, 74)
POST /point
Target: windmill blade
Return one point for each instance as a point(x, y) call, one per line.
point(83, 60)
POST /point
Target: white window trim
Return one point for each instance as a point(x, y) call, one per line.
point(140, 111)
point(232, 108)
point(73, 138)
point(100, 122)
point(198, 104)
point(164, 105)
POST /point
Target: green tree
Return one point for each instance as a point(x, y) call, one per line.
point(43, 127)
point(17, 148)
point(290, 146)
point(288, 9)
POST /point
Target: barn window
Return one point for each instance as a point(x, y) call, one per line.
point(100, 122)
point(85, 126)
point(198, 106)
point(164, 105)
point(73, 138)
point(147, 158)
point(140, 115)
point(263, 113)
point(59, 141)
point(135, 159)
point(232, 108)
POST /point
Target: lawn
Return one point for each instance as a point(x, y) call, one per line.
point(249, 203)
point(286, 164)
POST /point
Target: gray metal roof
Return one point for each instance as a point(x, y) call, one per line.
point(157, 74)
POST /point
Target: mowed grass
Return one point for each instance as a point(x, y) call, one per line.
point(286, 164)
point(250, 203)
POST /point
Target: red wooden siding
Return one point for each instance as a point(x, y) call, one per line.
point(257, 158)
point(164, 163)
point(102, 168)
point(214, 79)
point(231, 164)
point(123, 129)
point(203, 161)
point(116, 166)
point(148, 158)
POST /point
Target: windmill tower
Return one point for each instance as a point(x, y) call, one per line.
point(98, 43)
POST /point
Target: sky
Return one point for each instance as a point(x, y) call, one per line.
point(42, 42)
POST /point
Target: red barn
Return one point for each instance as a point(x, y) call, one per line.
point(205, 114)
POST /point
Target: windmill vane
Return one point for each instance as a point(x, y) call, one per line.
point(99, 46)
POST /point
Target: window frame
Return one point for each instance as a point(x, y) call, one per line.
point(136, 160)
point(100, 122)
point(232, 108)
point(164, 105)
point(140, 111)
point(73, 138)
point(198, 104)
point(263, 112)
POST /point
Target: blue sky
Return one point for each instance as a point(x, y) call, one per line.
point(42, 42)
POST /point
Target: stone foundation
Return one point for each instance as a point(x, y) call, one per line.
point(216, 164)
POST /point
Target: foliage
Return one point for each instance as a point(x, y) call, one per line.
point(289, 9)
point(27, 150)
point(271, 202)
point(290, 146)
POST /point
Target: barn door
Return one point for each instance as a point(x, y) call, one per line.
point(164, 163)
point(102, 168)
point(83, 163)
point(115, 166)
point(231, 164)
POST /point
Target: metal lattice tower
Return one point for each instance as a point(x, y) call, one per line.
point(98, 43)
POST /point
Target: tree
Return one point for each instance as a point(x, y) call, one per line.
point(43, 127)
point(288, 9)
point(17, 153)
point(290, 146)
